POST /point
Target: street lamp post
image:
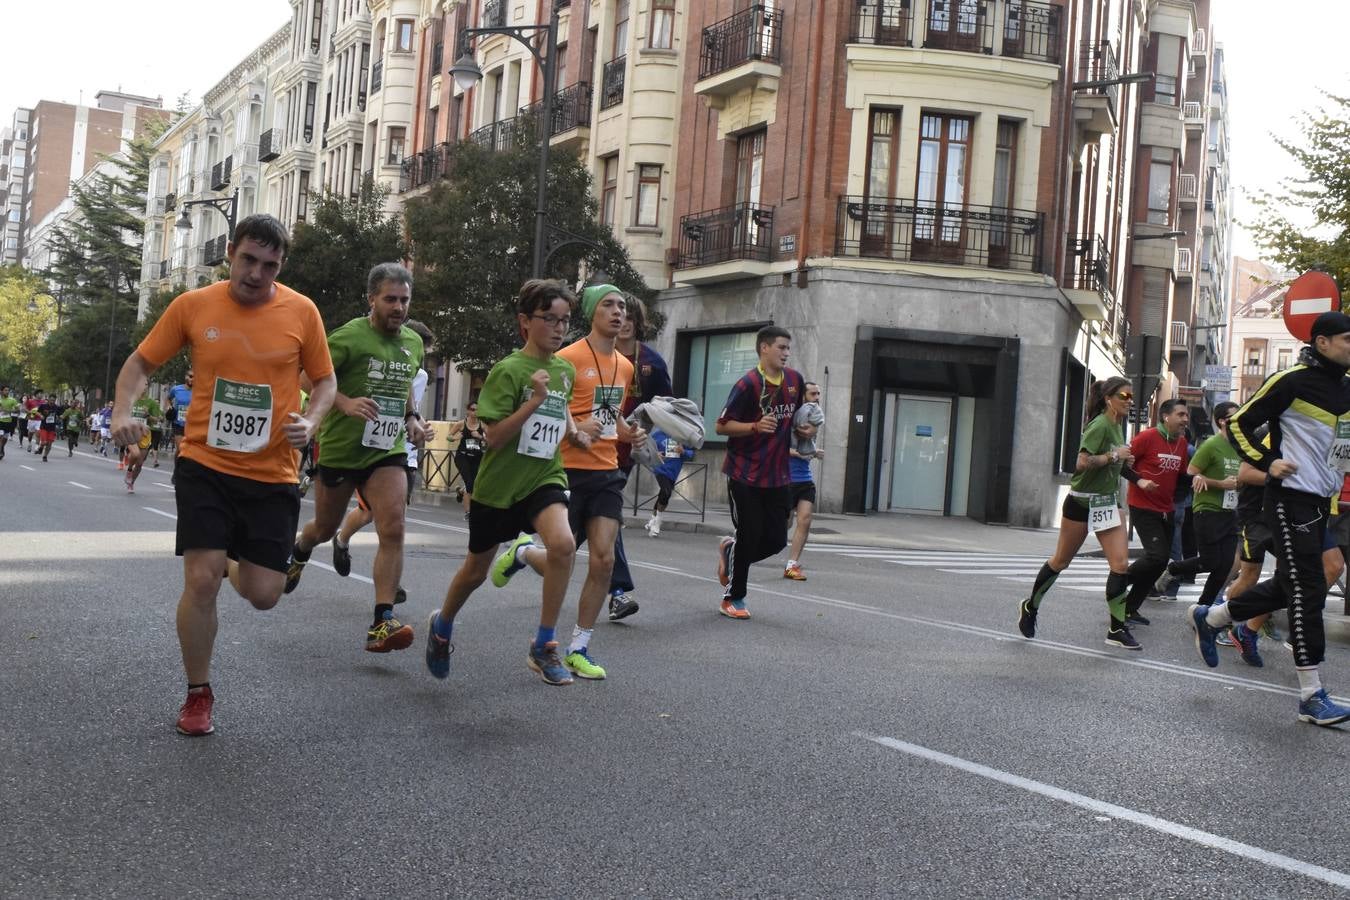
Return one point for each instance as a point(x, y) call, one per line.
point(226, 206)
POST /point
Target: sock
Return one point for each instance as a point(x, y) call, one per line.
point(383, 611)
point(1044, 579)
point(791, 563)
point(581, 639)
point(205, 685)
point(1218, 616)
point(543, 636)
point(297, 554)
point(337, 539)
point(1117, 589)
point(520, 556)
point(443, 627)
point(1309, 681)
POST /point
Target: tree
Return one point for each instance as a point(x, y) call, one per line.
point(1322, 194)
point(472, 240)
point(171, 372)
point(77, 353)
point(332, 254)
point(27, 314)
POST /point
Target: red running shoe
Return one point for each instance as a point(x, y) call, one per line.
point(194, 719)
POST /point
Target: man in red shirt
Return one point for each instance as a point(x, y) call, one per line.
point(1160, 457)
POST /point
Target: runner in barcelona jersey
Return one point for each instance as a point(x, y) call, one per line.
point(363, 441)
point(250, 339)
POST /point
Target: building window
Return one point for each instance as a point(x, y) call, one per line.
point(560, 78)
point(403, 35)
point(620, 29)
point(302, 207)
point(356, 169)
point(1286, 358)
point(943, 183)
point(609, 196)
point(1167, 69)
point(663, 25)
point(716, 363)
point(882, 151)
point(647, 203)
point(311, 96)
point(397, 133)
point(1005, 163)
point(1160, 193)
point(750, 166)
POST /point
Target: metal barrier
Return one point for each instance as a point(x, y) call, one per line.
point(437, 470)
point(689, 472)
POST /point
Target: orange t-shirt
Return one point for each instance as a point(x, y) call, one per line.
point(601, 377)
point(259, 346)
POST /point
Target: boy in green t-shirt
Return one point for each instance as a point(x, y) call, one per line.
point(1214, 473)
point(74, 420)
point(145, 411)
point(521, 484)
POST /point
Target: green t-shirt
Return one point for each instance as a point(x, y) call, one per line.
point(1100, 436)
point(381, 367)
point(9, 408)
point(74, 419)
point(510, 473)
point(1215, 459)
point(147, 409)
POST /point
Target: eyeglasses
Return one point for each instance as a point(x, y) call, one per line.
point(555, 321)
point(1125, 395)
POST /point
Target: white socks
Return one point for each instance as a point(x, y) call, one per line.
point(581, 639)
point(1218, 616)
point(1309, 681)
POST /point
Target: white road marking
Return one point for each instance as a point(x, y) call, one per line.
point(162, 484)
point(159, 512)
point(78, 485)
point(1173, 829)
point(29, 468)
point(314, 562)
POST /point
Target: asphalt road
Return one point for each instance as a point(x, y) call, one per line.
point(879, 730)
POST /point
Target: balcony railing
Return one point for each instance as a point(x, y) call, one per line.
point(494, 14)
point(965, 25)
point(882, 22)
point(1096, 66)
point(1184, 261)
point(991, 237)
point(266, 150)
point(376, 76)
point(1180, 334)
point(495, 135)
point(422, 168)
point(1032, 30)
point(1187, 189)
point(742, 231)
point(1089, 264)
point(754, 34)
point(612, 82)
point(571, 108)
point(220, 174)
point(1254, 370)
point(213, 251)
point(170, 202)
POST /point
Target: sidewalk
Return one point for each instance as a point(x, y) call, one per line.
point(901, 531)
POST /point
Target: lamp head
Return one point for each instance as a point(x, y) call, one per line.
point(184, 223)
point(466, 72)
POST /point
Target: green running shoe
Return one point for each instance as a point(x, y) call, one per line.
point(580, 664)
point(505, 565)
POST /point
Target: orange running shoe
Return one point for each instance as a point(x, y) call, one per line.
point(794, 571)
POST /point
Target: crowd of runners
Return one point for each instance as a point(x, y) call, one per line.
point(550, 441)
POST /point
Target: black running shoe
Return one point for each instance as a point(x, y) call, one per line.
point(1026, 619)
point(342, 559)
point(1135, 619)
point(621, 606)
point(1121, 637)
point(295, 570)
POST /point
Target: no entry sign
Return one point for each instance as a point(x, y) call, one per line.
point(1310, 295)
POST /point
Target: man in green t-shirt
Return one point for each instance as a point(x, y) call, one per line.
point(1214, 473)
point(363, 441)
point(10, 411)
point(144, 411)
point(74, 421)
point(521, 484)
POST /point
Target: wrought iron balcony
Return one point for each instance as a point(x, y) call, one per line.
point(213, 251)
point(740, 231)
point(1089, 264)
point(376, 76)
point(266, 151)
point(612, 82)
point(494, 14)
point(220, 174)
point(882, 22)
point(965, 25)
point(495, 135)
point(437, 55)
point(992, 237)
point(1032, 30)
point(170, 202)
point(571, 108)
point(423, 168)
point(1097, 64)
point(754, 34)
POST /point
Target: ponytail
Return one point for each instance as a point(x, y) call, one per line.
point(1098, 393)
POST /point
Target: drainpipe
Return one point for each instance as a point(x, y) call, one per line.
point(812, 106)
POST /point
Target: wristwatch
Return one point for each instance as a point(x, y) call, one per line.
point(1114, 456)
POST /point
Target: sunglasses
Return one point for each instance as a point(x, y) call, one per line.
point(1126, 396)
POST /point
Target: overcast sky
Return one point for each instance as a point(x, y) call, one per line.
point(1276, 63)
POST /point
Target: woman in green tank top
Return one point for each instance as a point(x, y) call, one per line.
point(1094, 504)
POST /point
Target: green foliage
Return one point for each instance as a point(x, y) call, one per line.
point(77, 354)
point(27, 314)
point(1322, 194)
point(472, 238)
point(332, 254)
point(171, 372)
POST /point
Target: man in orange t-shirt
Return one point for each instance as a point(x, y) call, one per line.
point(235, 476)
point(595, 484)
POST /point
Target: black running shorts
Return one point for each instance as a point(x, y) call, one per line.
point(250, 520)
point(593, 494)
point(803, 490)
point(490, 526)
